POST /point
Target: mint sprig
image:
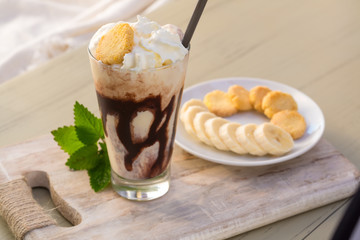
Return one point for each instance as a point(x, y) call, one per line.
point(85, 144)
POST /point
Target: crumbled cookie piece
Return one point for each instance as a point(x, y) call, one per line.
point(113, 46)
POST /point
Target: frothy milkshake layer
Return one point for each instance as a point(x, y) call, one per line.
point(114, 82)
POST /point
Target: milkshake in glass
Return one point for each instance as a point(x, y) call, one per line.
point(139, 88)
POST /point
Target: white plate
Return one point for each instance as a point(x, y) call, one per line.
point(306, 106)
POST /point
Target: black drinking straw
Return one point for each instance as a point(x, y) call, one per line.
point(193, 22)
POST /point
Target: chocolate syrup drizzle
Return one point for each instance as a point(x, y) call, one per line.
point(125, 111)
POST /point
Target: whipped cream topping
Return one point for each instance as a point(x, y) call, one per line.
point(154, 45)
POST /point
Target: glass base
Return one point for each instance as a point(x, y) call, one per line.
point(141, 190)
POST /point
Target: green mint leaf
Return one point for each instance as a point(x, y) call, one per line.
point(84, 159)
point(86, 135)
point(80, 142)
point(88, 127)
point(67, 139)
point(100, 175)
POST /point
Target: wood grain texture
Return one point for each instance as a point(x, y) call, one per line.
point(310, 45)
point(206, 200)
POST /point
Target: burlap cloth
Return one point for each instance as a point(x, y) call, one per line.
point(21, 212)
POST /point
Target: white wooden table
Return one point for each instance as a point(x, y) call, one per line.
point(310, 45)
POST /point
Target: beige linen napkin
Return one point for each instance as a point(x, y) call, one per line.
point(34, 31)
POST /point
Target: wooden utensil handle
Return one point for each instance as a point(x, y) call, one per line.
point(41, 179)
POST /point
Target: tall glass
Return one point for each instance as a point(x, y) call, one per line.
point(139, 113)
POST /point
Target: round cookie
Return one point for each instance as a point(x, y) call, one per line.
point(291, 121)
point(219, 103)
point(276, 101)
point(240, 97)
point(256, 95)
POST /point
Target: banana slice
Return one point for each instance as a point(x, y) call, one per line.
point(273, 139)
point(199, 122)
point(191, 102)
point(212, 126)
point(245, 135)
point(188, 119)
point(227, 134)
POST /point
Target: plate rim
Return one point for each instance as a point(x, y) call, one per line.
point(250, 163)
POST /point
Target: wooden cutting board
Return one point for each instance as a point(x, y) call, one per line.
point(205, 201)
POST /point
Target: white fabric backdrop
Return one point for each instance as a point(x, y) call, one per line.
point(34, 31)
